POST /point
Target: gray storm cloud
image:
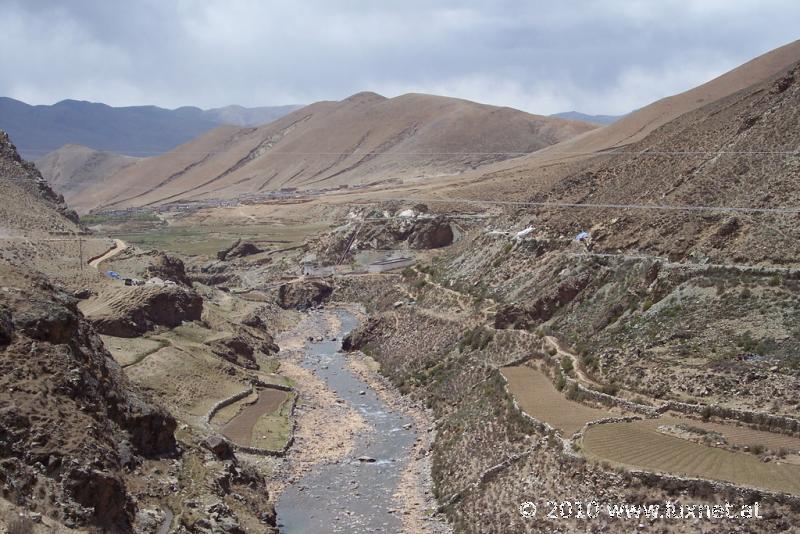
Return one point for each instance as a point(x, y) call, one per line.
point(598, 57)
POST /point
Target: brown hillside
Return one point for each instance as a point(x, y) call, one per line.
point(514, 179)
point(72, 168)
point(365, 138)
point(738, 152)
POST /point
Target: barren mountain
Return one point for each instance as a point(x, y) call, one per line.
point(595, 119)
point(736, 158)
point(515, 178)
point(132, 130)
point(363, 139)
point(72, 168)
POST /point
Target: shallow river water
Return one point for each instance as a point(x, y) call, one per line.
point(350, 496)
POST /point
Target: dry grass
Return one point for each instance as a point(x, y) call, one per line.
point(537, 396)
point(639, 444)
point(272, 430)
point(190, 381)
point(207, 240)
point(129, 351)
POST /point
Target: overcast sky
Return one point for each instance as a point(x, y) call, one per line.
point(604, 56)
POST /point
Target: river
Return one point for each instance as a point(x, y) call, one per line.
point(352, 495)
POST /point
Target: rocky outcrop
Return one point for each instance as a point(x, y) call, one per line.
point(18, 175)
point(303, 294)
point(415, 233)
point(361, 335)
point(46, 321)
point(219, 446)
point(168, 267)
point(431, 233)
point(238, 249)
point(543, 308)
point(70, 422)
point(241, 349)
point(254, 320)
point(131, 311)
point(380, 233)
point(214, 273)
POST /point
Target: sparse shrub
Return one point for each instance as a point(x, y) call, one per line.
point(566, 365)
point(648, 303)
point(573, 393)
point(672, 311)
point(476, 338)
point(612, 388)
point(561, 381)
point(745, 293)
point(757, 449)
point(420, 284)
point(706, 413)
point(775, 281)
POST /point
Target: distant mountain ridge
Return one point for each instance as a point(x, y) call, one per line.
point(363, 139)
point(133, 131)
point(595, 119)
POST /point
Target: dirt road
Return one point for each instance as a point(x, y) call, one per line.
point(119, 246)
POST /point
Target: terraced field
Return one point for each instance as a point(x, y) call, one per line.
point(735, 435)
point(539, 398)
point(639, 444)
point(266, 416)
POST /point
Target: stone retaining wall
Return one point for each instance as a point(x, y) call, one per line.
point(656, 479)
point(611, 400)
point(254, 389)
point(780, 422)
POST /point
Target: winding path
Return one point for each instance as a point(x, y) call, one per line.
point(119, 246)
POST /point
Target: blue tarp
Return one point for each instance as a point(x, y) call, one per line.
point(581, 236)
point(113, 274)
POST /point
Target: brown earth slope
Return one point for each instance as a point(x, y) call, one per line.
point(516, 178)
point(365, 138)
point(72, 168)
